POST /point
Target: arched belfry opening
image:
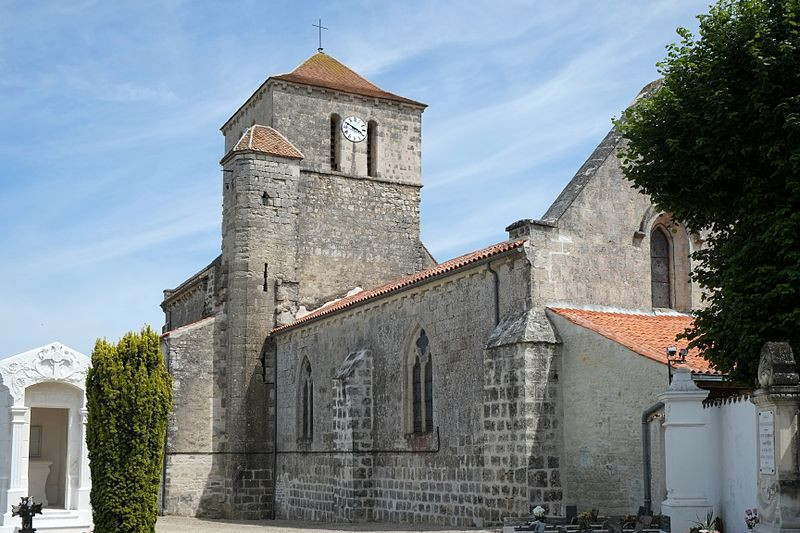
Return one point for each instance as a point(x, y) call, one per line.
point(372, 148)
point(336, 124)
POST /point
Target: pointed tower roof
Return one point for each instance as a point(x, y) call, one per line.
point(265, 140)
point(322, 70)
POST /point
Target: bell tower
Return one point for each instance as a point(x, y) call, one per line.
point(321, 191)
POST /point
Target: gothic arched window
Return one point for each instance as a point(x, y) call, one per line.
point(306, 407)
point(420, 377)
point(336, 123)
point(372, 148)
point(660, 268)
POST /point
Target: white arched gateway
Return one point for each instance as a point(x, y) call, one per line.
point(43, 437)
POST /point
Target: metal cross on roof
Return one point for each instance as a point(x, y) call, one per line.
point(321, 27)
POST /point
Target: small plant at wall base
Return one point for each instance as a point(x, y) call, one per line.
point(585, 521)
point(129, 394)
point(709, 525)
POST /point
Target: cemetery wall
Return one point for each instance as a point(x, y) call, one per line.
point(402, 477)
point(605, 388)
point(733, 431)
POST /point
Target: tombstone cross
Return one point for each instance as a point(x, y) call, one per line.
point(26, 510)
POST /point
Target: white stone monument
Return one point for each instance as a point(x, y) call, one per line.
point(688, 464)
point(46, 385)
point(778, 402)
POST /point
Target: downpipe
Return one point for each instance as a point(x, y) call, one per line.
point(648, 474)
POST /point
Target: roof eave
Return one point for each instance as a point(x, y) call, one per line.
point(398, 99)
point(479, 262)
point(233, 153)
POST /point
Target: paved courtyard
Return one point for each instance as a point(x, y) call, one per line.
point(174, 524)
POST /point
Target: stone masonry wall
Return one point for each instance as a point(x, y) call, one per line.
point(302, 114)
point(412, 478)
point(195, 480)
point(193, 300)
point(522, 419)
point(355, 233)
point(605, 388)
point(258, 263)
point(593, 253)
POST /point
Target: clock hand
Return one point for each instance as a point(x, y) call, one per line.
point(354, 128)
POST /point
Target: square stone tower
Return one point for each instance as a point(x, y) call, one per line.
point(321, 191)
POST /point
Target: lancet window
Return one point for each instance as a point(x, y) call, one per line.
point(421, 385)
point(306, 407)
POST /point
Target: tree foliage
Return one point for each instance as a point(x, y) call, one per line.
point(129, 394)
point(718, 146)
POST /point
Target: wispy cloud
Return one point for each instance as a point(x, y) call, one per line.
point(109, 116)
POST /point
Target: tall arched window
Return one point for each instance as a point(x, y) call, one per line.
point(306, 407)
point(420, 377)
point(660, 271)
point(372, 148)
point(336, 123)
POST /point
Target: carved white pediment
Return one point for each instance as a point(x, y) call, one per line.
point(53, 362)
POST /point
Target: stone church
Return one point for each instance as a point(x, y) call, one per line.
point(326, 367)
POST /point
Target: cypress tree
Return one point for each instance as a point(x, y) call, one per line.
point(129, 395)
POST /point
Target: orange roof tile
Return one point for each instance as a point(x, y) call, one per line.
point(646, 334)
point(266, 140)
point(322, 70)
point(396, 285)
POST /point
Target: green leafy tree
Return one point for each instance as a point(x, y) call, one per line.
point(129, 394)
point(718, 146)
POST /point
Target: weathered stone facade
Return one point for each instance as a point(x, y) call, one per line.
point(330, 415)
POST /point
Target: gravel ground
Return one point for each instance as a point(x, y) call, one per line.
point(175, 524)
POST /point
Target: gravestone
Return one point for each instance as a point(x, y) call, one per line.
point(777, 401)
point(613, 524)
point(572, 514)
point(643, 521)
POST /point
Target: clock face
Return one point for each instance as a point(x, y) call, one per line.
point(354, 129)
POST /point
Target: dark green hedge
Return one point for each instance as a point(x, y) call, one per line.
point(129, 394)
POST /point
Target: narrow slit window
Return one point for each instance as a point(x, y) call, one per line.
point(266, 273)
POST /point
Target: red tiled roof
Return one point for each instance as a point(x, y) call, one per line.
point(646, 334)
point(322, 70)
point(266, 140)
point(392, 286)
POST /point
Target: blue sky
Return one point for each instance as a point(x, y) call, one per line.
point(110, 188)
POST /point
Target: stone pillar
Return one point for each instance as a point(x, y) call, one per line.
point(689, 453)
point(19, 455)
point(777, 402)
point(353, 424)
point(85, 481)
